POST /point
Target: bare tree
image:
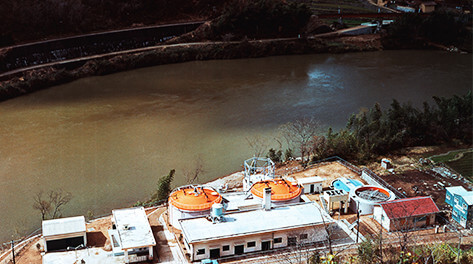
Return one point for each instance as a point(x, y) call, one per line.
point(193, 174)
point(58, 199)
point(43, 206)
point(301, 133)
point(258, 145)
point(51, 205)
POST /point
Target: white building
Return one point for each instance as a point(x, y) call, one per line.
point(64, 233)
point(265, 229)
point(311, 184)
point(330, 197)
point(132, 235)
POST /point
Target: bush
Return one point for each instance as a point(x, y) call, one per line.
point(164, 187)
point(262, 18)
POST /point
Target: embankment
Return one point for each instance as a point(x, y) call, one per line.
point(42, 77)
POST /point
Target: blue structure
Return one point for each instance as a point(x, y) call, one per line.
point(346, 184)
point(461, 202)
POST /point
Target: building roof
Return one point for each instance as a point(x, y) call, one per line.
point(253, 222)
point(281, 189)
point(431, 3)
point(307, 180)
point(194, 198)
point(133, 228)
point(62, 226)
point(238, 200)
point(459, 190)
point(408, 207)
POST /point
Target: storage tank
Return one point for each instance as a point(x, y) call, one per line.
point(364, 198)
point(282, 191)
point(191, 201)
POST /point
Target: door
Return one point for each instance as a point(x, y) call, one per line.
point(265, 245)
point(427, 221)
point(214, 253)
point(239, 249)
point(312, 188)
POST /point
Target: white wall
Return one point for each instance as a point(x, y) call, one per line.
point(314, 234)
point(175, 214)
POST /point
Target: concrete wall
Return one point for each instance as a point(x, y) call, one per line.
point(175, 214)
point(317, 187)
point(314, 234)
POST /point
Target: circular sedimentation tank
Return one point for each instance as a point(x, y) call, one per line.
point(364, 198)
point(191, 201)
point(282, 191)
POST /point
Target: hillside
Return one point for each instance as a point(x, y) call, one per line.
point(31, 20)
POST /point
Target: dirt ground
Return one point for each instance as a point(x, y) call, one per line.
point(30, 254)
point(412, 178)
point(329, 171)
point(419, 183)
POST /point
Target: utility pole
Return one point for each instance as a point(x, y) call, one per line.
point(459, 247)
point(381, 240)
point(358, 223)
point(12, 244)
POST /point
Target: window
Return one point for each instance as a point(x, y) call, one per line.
point(226, 248)
point(420, 218)
point(448, 197)
point(201, 251)
point(251, 244)
point(303, 236)
point(465, 206)
point(291, 241)
point(456, 200)
point(455, 213)
point(277, 240)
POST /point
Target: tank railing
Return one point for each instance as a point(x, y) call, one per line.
point(383, 183)
point(203, 206)
point(279, 196)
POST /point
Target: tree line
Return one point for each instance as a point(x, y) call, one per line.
point(373, 132)
point(442, 27)
point(262, 18)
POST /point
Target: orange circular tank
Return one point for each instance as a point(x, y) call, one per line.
point(194, 198)
point(281, 190)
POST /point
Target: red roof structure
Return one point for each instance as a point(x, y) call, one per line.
point(408, 207)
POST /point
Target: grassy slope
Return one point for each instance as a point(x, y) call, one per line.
point(463, 164)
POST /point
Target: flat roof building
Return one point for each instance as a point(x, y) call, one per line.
point(132, 235)
point(311, 184)
point(64, 233)
point(242, 232)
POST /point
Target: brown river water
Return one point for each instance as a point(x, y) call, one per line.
point(108, 139)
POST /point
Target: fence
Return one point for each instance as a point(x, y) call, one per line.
point(366, 174)
point(374, 179)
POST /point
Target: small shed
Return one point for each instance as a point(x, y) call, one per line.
point(428, 7)
point(311, 184)
point(386, 164)
point(132, 235)
point(63, 233)
point(406, 214)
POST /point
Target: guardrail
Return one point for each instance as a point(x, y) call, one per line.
point(382, 182)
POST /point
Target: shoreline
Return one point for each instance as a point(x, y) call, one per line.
point(45, 76)
point(35, 78)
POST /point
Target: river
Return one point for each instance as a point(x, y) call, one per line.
point(108, 139)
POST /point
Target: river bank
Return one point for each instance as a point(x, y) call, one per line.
point(41, 77)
